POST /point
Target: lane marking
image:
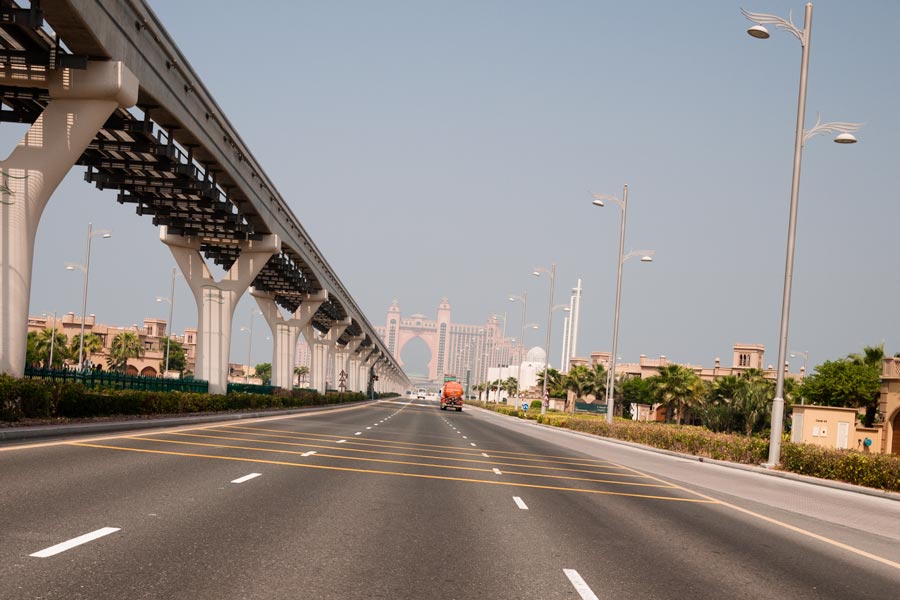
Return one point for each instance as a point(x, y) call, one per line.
point(520, 503)
point(497, 471)
point(580, 585)
point(395, 473)
point(81, 539)
point(465, 437)
point(310, 453)
point(473, 443)
point(246, 478)
point(358, 433)
point(368, 428)
point(340, 441)
point(485, 455)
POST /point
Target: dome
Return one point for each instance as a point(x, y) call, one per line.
point(536, 355)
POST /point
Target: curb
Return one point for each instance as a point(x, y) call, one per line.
point(43, 431)
point(838, 485)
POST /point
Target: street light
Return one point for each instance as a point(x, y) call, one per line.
point(545, 401)
point(86, 268)
point(844, 131)
point(249, 329)
point(646, 257)
point(52, 338)
point(805, 355)
point(171, 301)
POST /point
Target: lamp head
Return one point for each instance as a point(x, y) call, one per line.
point(597, 202)
point(647, 259)
point(845, 138)
point(759, 32)
point(511, 299)
point(106, 236)
point(536, 273)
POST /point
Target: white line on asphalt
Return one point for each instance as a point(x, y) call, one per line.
point(358, 433)
point(368, 428)
point(340, 441)
point(465, 437)
point(580, 586)
point(497, 471)
point(519, 503)
point(310, 453)
point(81, 539)
point(246, 478)
point(485, 455)
point(472, 443)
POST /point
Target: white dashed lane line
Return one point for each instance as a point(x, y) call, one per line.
point(340, 441)
point(580, 585)
point(472, 443)
point(498, 471)
point(485, 455)
point(81, 539)
point(310, 453)
point(358, 433)
point(246, 478)
point(520, 503)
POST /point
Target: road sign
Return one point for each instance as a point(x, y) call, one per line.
point(525, 406)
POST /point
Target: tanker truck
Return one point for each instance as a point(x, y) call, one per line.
point(452, 396)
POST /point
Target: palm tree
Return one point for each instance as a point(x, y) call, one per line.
point(92, 345)
point(555, 387)
point(510, 385)
point(300, 372)
point(264, 372)
point(677, 386)
point(124, 346)
point(871, 357)
point(579, 381)
point(598, 383)
point(44, 341)
point(751, 400)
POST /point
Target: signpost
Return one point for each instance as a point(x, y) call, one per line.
point(525, 406)
point(342, 380)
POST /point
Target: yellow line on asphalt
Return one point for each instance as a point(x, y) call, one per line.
point(412, 475)
point(788, 526)
point(358, 450)
point(413, 445)
point(405, 462)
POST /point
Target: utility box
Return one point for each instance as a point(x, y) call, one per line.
point(832, 427)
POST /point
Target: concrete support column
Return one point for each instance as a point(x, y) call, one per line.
point(353, 364)
point(216, 301)
point(81, 101)
point(285, 332)
point(317, 363)
point(343, 359)
point(331, 338)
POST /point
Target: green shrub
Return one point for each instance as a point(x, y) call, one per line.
point(871, 470)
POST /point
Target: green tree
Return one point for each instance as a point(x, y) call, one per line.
point(42, 344)
point(301, 373)
point(177, 357)
point(598, 381)
point(92, 345)
point(752, 398)
point(125, 345)
point(580, 381)
point(719, 413)
point(555, 384)
point(844, 383)
point(510, 385)
point(31, 354)
point(678, 387)
point(264, 372)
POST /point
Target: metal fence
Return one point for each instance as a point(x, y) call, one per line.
point(249, 388)
point(119, 381)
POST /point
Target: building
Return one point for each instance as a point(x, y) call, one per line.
point(152, 335)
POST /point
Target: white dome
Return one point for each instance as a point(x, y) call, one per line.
point(536, 355)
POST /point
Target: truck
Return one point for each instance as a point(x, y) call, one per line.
point(452, 396)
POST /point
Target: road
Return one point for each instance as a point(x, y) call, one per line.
point(398, 499)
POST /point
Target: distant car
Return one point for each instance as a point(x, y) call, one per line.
point(422, 394)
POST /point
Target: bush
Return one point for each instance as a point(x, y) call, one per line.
point(880, 471)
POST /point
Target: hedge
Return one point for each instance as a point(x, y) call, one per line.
point(43, 399)
point(881, 471)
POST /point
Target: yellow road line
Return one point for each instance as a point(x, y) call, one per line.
point(406, 462)
point(412, 475)
point(413, 445)
point(345, 448)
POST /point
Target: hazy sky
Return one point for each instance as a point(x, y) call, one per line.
point(447, 148)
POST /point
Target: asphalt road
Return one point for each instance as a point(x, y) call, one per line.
point(401, 500)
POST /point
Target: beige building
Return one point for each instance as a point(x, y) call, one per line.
point(152, 335)
point(889, 406)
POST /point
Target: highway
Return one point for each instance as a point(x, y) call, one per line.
point(397, 499)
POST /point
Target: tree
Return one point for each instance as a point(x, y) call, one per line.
point(598, 381)
point(264, 372)
point(719, 412)
point(177, 357)
point(42, 344)
point(580, 381)
point(555, 387)
point(31, 353)
point(92, 345)
point(510, 385)
point(677, 386)
point(124, 346)
point(752, 397)
point(301, 373)
point(844, 383)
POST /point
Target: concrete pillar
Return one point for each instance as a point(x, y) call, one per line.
point(353, 368)
point(285, 332)
point(81, 101)
point(330, 342)
point(216, 300)
point(342, 361)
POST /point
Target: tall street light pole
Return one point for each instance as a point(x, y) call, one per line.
point(805, 355)
point(646, 256)
point(249, 329)
point(545, 401)
point(524, 300)
point(844, 131)
point(86, 268)
point(171, 301)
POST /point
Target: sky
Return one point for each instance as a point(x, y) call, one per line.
point(448, 148)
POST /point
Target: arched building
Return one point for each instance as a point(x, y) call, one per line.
point(454, 348)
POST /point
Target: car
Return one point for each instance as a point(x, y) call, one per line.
point(422, 394)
